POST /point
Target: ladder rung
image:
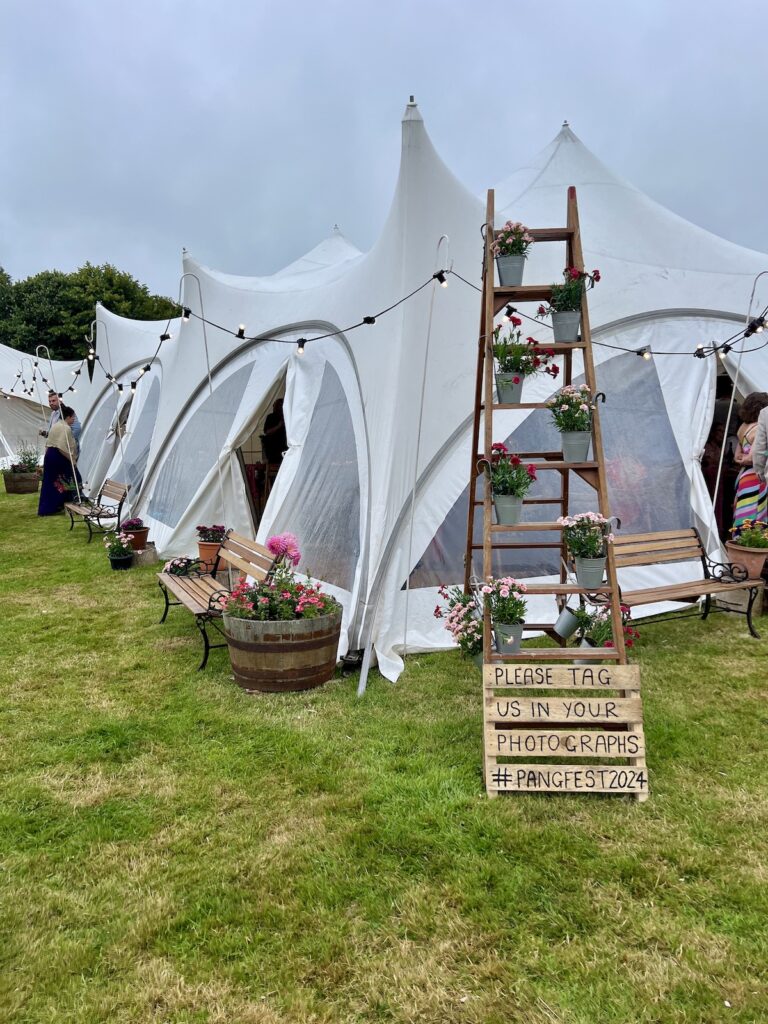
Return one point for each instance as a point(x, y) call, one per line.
point(521, 293)
point(498, 545)
point(534, 501)
point(556, 654)
point(562, 465)
point(551, 234)
point(564, 588)
point(506, 528)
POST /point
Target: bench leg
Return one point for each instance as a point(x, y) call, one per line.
point(200, 623)
point(707, 606)
point(90, 530)
point(167, 602)
point(71, 522)
point(753, 592)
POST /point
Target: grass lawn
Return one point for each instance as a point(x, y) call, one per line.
point(172, 850)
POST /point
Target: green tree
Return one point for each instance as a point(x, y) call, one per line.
point(56, 309)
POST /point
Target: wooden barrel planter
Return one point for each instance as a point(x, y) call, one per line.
point(21, 483)
point(275, 657)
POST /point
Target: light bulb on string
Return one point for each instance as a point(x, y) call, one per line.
point(441, 278)
point(300, 346)
point(240, 331)
point(507, 318)
point(186, 315)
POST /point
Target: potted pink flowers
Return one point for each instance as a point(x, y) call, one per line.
point(587, 536)
point(510, 247)
point(463, 621)
point(504, 598)
point(510, 481)
point(282, 633)
point(119, 549)
point(517, 359)
point(572, 408)
point(565, 303)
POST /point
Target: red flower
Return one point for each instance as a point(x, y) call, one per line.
point(515, 321)
point(542, 310)
point(514, 460)
point(515, 380)
point(595, 276)
point(573, 273)
point(497, 446)
point(531, 471)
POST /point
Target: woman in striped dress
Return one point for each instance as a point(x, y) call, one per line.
point(751, 503)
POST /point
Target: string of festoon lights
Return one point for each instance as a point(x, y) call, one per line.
point(756, 326)
point(440, 277)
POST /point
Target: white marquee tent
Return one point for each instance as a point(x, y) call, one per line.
point(374, 482)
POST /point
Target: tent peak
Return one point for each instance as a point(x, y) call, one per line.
point(412, 111)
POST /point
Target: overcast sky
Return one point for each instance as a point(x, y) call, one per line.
point(245, 130)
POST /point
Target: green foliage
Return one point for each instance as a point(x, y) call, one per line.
point(27, 458)
point(751, 534)
point(56, 309)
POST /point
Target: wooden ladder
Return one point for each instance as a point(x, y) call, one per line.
point(494, 299)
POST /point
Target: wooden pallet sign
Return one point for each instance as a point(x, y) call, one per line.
point(588, 717)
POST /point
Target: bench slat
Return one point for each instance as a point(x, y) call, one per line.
point(251, 568)
point(250, 551)
point(636, 538)
point(655, 557)
point(656, 545)
point(114, 490)
point(681, 591)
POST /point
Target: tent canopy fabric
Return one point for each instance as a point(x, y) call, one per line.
point(378, 417)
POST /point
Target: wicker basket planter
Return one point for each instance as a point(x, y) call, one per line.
point(21, 483)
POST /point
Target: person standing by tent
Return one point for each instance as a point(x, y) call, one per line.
point(59, 464)
point(751, 501)
point(54, 404)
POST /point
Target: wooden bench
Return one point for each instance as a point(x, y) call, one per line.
point(95, 513)
point(643, 549)
point(201, 592)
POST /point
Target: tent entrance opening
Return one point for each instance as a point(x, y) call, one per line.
point(261, 454)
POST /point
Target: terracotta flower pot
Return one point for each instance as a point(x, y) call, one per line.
point(208, 550)
point(139, 538)
point(753, 559)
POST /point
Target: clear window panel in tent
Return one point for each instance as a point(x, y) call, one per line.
point(136, 447)
point(322, 507)
point(648, 488)
point(96, 436)
point(196, 450)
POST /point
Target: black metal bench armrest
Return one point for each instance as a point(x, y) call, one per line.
point(726, 572)
point(215, 601)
